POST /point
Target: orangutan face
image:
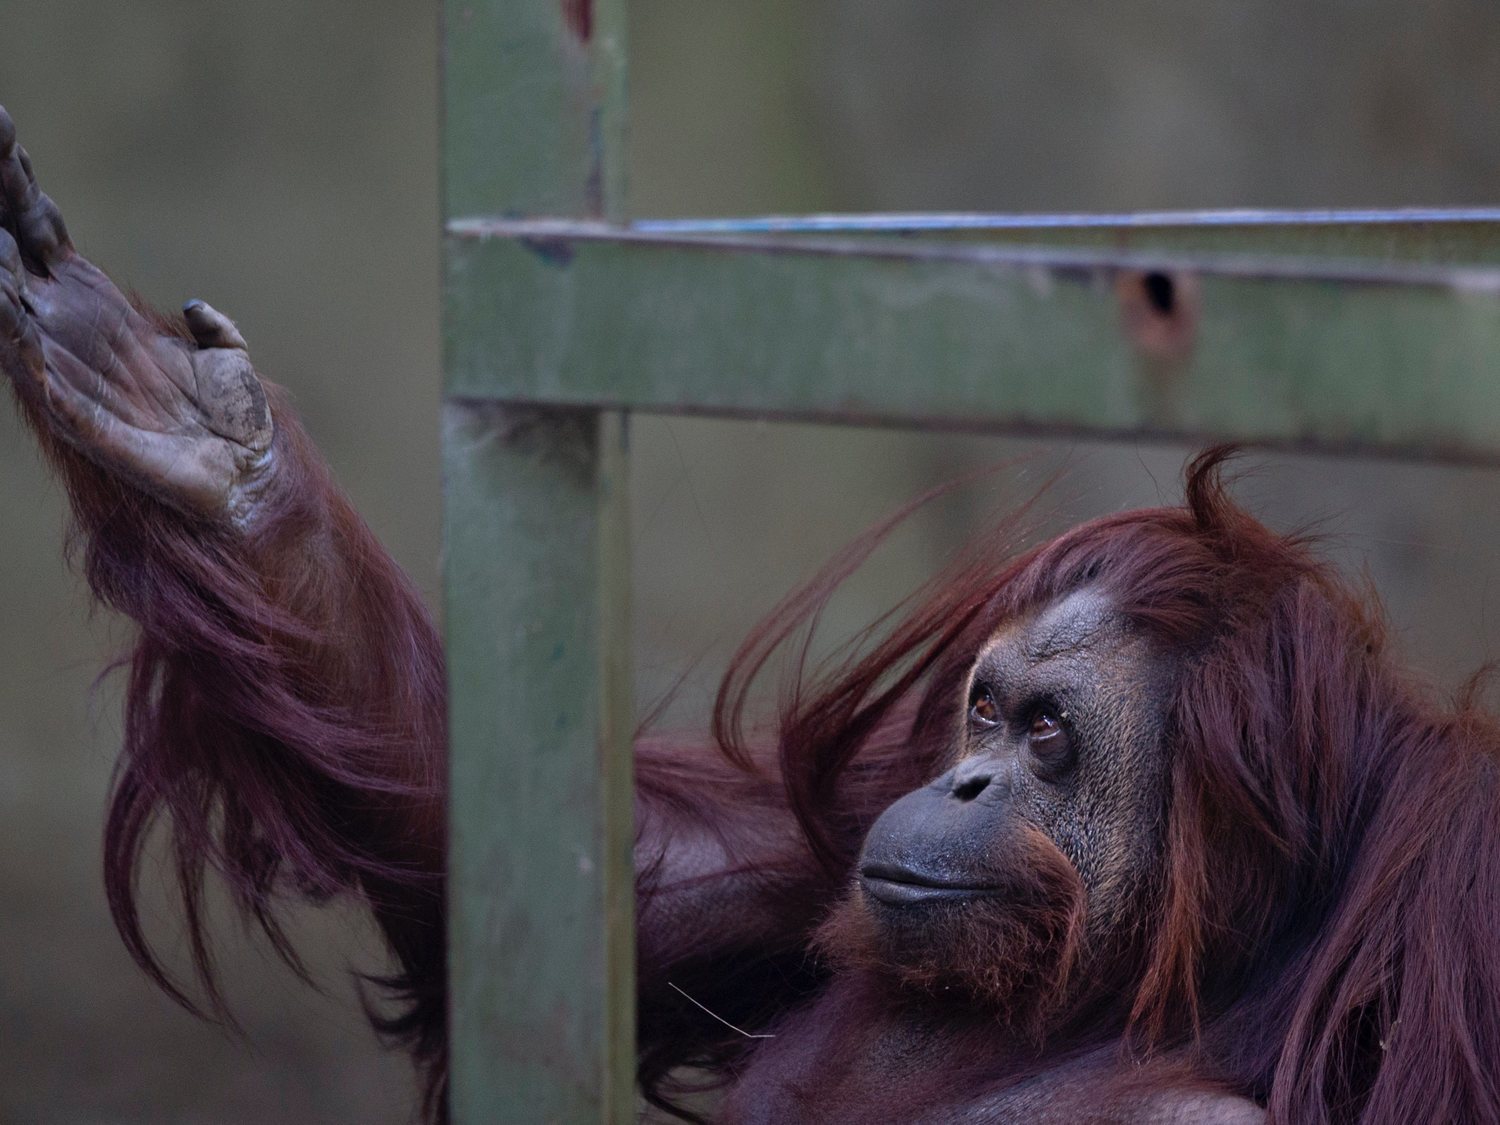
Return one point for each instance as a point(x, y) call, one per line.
point(1043, 839)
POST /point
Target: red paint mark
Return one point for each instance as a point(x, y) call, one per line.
point(579, 16)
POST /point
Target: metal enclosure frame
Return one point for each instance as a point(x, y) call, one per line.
point(1367, 331)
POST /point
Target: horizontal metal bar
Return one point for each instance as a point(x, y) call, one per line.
point(554, 232)
point(1465, 235)
point(924, 222)
point(1402, 359)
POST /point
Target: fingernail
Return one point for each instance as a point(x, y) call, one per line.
point(192, 305)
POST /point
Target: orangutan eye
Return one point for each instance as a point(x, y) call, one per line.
point(1044, 726)
point(982, 706)
point(1050, 740)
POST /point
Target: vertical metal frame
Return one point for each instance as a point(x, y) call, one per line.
point(537, 620)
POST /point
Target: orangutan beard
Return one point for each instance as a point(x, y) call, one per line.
point(1013, 953)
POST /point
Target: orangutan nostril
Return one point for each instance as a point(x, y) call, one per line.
point(970, 787)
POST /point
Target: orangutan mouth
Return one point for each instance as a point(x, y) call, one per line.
point(899, 886)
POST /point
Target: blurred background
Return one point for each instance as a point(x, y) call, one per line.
point(279, 159)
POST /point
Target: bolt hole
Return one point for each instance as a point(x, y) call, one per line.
point(1161, 293)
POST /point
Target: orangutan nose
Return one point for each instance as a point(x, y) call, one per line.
point(973, 776)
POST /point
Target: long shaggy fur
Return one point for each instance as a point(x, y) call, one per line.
point(284, 721)
point(1325, 938)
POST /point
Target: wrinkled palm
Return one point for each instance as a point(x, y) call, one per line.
point(184, 418)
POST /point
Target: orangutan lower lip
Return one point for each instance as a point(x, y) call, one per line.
point(899, 887)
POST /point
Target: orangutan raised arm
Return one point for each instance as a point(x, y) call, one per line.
point(1144, 825)
point(285, 710)
point(285, 706)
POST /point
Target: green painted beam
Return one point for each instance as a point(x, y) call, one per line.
point(536, 575)
point(1331, 354)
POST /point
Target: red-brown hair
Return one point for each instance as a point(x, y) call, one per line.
point(1327, 935)
point(284, 720)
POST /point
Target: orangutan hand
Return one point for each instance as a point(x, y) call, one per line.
point(185, 420)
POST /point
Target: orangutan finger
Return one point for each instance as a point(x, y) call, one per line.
point(10, 259)
point(81, 403)
point(20, 343)
point(211, 328)
point(28, 213)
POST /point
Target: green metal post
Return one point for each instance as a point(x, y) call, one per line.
point(537, 626)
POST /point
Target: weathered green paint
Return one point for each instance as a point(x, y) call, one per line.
point(1398, 358)
point(615, 699)
point(536, 583)
point(1458, 243)
point(542, 943)
point(533, 115)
